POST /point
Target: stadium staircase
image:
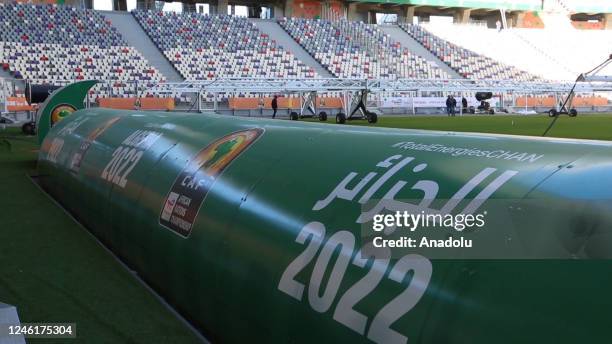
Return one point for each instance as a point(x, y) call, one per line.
point(358, 50)
point(133, 33)
point(276, 32)
point(203, 47)
point(399, 35)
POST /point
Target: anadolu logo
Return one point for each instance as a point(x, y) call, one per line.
point(182, 204)
point(59, 112)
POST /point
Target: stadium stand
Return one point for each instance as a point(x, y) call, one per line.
point(204, 47)
point(467, 63)
point(554, 54)
point(501, 46)
point(568, 53)
point(358, 50)
point(58, 44)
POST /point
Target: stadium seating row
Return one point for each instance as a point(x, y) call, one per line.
point(57, 44)
point(553, 54)
point(204, 47)
point(358, 50)
point(467, 63)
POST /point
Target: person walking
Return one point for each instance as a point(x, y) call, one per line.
point(453, 105)
point(274, 105)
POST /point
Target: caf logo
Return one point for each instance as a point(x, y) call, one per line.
point(182, 204)
point(61, 111)
point(217, 155)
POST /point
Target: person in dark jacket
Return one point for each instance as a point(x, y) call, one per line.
point(274, 105)
point(449, 105)
point(453, 105)
point(464, 104)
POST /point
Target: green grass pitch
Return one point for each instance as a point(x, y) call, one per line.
point(54, 271)
point(596, 127)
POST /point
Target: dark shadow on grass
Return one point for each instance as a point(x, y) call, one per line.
point(5, 145)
